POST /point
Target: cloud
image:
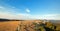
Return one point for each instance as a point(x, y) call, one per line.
point(7, 15)
point(1, 7)
point(50, 16)
point(15, 16)
point(8, 9)
point(10, 13)
point(27, 10)
point(29, 16)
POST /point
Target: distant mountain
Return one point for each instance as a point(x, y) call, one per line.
point(4, 19)
point(54, 21)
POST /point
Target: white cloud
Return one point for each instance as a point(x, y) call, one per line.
point(28, 16)
point(27, 10)
point(10, 13)
point(7, 15)
point(15, 16)
point(50, 17)
point(6, 12)
point(1, 7)
point(47, 16)
point(8, 9)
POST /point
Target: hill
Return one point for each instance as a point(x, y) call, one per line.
point(28, 25)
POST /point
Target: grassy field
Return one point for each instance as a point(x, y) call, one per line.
point(24, 25)
point(8, 25)
point(12, 25)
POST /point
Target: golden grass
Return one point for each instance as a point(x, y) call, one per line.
point(12, 25)
point(8, 26)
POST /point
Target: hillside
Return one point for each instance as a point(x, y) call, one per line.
point(28, 25)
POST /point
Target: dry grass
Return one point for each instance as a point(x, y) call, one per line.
point(8, 26)
point(12, 25)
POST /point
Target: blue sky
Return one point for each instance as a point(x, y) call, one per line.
point(37, 8)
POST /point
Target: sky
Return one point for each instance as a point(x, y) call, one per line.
point(30, 9)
